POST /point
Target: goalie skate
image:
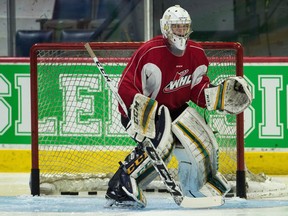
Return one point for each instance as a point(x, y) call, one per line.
point(123, 191)
point(128, 201)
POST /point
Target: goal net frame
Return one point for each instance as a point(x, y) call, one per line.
point(36, 169)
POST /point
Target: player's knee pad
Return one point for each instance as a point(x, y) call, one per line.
point(198, 153)
point(164, 140)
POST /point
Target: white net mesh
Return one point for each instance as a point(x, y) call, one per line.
point(81, 139)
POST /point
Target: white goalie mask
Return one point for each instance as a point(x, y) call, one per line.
point(175, 26)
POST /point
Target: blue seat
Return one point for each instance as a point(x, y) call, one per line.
point(76, 35)
point(59, 25)
point(25, 39)
point(72, 9)
point(69, 14)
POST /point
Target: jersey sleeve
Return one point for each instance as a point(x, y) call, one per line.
point(130, 83)
point(197, 95)
point(200, 81)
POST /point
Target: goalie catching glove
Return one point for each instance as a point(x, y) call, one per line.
point(232, 96)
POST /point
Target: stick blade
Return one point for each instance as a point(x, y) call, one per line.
point(202, 202)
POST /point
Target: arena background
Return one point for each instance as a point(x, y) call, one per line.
point(260, 26)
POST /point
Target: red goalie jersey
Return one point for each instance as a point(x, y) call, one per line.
point(155, 72)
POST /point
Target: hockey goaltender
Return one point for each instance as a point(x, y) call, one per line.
point(163, 75)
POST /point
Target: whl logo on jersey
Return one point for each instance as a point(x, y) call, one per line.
point(181, 79)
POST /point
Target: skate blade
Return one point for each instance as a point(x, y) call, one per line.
point(109, 203)
point(125, 204)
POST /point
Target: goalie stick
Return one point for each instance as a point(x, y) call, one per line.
point(157, 162)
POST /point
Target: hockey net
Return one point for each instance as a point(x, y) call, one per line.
point(77, 137)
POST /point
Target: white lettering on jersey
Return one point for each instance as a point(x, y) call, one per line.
point(180, 80)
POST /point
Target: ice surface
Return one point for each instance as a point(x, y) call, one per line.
point(16, 201)
point(158, 204)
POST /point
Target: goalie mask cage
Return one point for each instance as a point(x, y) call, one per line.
point(77, 137)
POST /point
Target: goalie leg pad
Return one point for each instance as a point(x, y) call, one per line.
point(188, 173)
point(137, 162)
point(218, 185)
point(198, 155)
point(137, 171)
point(163, 142)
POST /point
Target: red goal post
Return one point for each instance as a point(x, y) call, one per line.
point(76, 132)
